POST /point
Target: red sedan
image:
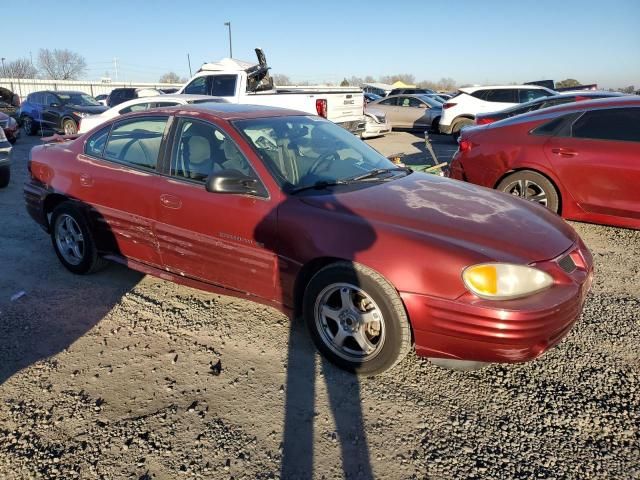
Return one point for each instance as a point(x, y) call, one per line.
point(579, 160)
point(292, 211)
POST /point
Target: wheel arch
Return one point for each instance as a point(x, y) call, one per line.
point(542, 172)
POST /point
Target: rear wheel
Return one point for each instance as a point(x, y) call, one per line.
point(69, 127)
point(73, 241)
point(531, 186)
point(356, 318)
point(463, 122)
point(5, 176)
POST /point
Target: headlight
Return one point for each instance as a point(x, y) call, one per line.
point(504, 281)
point(81, 114)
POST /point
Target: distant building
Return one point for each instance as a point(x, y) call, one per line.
point(400, 84)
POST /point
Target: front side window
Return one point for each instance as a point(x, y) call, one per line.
point(201, 149)
point(302, 151)
point(610, 124)
point(95, 144)
point(197, 87)
point(136, 142)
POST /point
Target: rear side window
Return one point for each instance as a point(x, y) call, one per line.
point(480, 94)
point(502, 95)
point(95, 144)
point(136, 142)
point(611, 124)
point(559, 126)
point(528, 94)
point(223, 85)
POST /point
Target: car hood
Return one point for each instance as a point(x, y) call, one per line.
point(94, 110)
point(495, 225)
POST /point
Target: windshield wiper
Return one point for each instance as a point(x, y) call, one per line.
point(319, 185)
point(377, 172)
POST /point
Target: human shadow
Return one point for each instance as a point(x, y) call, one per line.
point(43, 307)
point(307, 235)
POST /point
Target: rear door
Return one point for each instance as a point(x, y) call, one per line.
point(117, 175)
point(211, 236)
point(599, 163)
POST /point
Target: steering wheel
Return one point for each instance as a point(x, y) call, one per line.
point(322, 160)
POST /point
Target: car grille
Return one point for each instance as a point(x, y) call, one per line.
point(567, 264)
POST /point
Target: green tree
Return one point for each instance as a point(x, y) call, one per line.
point(568, 83)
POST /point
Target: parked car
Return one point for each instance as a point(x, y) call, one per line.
point(143, 103)
point(370, 97)
point(377, 124)
point(10, 127)
point(578, 159)
point(5, 160)
point(58, 111)
point(290, 210)
point(461, 110)
point(102, 99)
point(544, 102)
point(120, 95)
point(409, 91)
point(410, 111)
point(9, 102)
point(247, 83)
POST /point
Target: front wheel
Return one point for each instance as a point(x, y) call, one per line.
point(531, 186)
point(5, 176)
point(356, 318)
point(73, 241)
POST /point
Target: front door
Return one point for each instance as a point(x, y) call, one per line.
point(212, 236)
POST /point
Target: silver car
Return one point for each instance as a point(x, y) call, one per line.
point(410, 111)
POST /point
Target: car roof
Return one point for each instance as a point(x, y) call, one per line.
point(229, 111)
point(183, 98)
point(499, 87)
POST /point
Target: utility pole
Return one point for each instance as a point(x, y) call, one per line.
point(228, 24)
point(31, 57)
point(189, 61)
point(115, 66)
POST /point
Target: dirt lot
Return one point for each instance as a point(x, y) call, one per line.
point(117, 375)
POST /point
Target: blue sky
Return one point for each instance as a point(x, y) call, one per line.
point(469, 41)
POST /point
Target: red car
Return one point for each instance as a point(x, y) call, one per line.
point(293, 211)
point(579, 160)
point(10, 127)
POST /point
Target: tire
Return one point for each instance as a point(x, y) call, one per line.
point(69, 127)
point(531, 186)
point(5, 176)
point(435, 125)
point(383, 326)
point(28, 125)
point(463, 122)
point(73, 240)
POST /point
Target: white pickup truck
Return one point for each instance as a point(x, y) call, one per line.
point(243, 82)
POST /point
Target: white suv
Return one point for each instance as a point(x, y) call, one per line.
point(461, 110)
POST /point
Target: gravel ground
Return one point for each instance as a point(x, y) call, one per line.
point(119, 375)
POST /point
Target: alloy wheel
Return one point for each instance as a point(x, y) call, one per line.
point(527, 189)
point(69, 239)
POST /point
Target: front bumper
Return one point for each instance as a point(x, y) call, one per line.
point(473, 329)
point(374, 129)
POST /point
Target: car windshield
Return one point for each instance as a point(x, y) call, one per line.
point(78, 99)
point(303, 151)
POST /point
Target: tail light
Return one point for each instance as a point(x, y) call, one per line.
point(484, 120)
point(321, 107)
point(464, 145)
point(449, 105)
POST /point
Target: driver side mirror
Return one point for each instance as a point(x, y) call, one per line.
point(54, 104)
point(232, 181)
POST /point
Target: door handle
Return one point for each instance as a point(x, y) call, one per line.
point(170, 201)
point(564, 152)
point(86, 180)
